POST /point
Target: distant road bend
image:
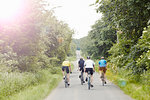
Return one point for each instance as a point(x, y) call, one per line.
point(76, 91)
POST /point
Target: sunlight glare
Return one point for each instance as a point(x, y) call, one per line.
point(9, 8)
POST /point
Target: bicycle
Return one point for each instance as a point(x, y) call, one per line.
point(102, 78)
point(89, 80)
point(66, 79)
point(81, 77)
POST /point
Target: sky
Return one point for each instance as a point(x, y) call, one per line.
point(78, 14)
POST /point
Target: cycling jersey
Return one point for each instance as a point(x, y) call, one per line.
point(66, 63)
point(81, 63)
point(89, 63)
point(102, 63)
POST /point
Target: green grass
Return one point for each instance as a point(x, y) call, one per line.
point(38, 92)
point(135, 90)
point(30, 86)
point(22, 86)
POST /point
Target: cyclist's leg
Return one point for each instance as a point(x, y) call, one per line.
point(104, 70)
point(100, 71)
point(83, 73)
point(79, 72)
point(67, 71)
point(91, 72)
point(86, 72)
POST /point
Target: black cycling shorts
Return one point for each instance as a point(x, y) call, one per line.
point(65, 68)
point(81, 69)
point(90, 70)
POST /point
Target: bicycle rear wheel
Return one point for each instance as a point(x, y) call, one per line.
point(89, 83)
point(81, 78)
point(103, 81)
point(66, 82)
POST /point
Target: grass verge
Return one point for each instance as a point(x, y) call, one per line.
point(137, 91)
point(40, 90)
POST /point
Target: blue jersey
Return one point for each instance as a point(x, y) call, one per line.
point(102, 63)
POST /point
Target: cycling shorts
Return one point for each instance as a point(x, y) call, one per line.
point(65, 68)
point(81, 69)
point(102, 69)
point(89, 70)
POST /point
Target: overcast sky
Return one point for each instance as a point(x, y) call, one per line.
point(77, 14)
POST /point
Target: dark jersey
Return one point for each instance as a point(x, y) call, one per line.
point(81, 63)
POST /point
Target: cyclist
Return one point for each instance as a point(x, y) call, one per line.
point(89, 66)
point(66, 65)
point(102, 67)
point(81, 67)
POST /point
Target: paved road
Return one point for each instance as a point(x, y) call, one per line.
point(81, 92)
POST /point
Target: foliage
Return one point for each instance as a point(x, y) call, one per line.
point(129, 18)
point(134, 57)
point(37, 39)
point(13, 83)
point(103, 36)
point(38, 92)
point(34, 41)
point(72, 49)
point(137, 90)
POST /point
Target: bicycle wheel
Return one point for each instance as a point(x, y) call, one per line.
point(103, 81)
point(89, 83)
point(66, 82)
point(81, 78)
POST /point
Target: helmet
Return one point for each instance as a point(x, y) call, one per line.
point(102, 57)
point(88, 57)
point(81, 58)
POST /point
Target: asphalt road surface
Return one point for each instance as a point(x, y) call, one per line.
point(76, 91)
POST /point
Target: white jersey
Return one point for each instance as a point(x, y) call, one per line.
point(89, 63)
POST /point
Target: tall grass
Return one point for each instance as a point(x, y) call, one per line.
point(138, 90)
point(38, 92)
point(13, 83)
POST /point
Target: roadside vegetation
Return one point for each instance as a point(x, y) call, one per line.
point(32, 48)
point(122, 36)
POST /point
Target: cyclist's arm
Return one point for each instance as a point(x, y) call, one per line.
point(70, 68)
point(84, 66)
point(106, 65)
point(78, 67)
point(93, 67)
